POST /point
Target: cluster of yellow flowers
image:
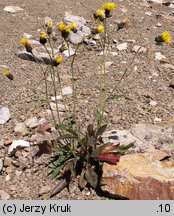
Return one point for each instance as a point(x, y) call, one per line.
point(65, 29)
point(102, 14)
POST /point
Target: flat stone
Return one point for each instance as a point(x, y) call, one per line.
point(4, 195)
point(20, 129)
point(61, 107)
point(122, 46)
point(4, 115)
point(12, 9)
point(67, 90)
point(39, 56)
point(159, 56)
point(137, 48)
point(140, 176)
point(145, 136)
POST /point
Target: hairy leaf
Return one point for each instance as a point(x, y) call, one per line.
point(98, 150)
point(109, 149)
point(60, 186)
point(90, 130)
point(101, 130)
point(98, 115)
point(56, 171)
point(82, 180)
point(91, 177)
point(122, 149)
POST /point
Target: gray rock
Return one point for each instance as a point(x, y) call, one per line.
point(69, 18)
point(21, 129)
point(145, 136)
point(75, 38)
point(4, 195)
point(67, 90)
point(86, 31)
point(39, 56)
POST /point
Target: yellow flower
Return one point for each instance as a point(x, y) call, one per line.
point(61, 26)
point(99, 13)
point(58, 59)
point(166, 37)
point(49, 24)
point(26, 44)
point(8, 74)
point(100, 29)
point(24, 41)
point(43, 38)
point(73, 25)
point(109, 6)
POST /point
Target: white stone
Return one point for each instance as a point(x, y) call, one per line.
point(157, 1)
point(148, 13)
point(156, 119)
point(4, 115)
point(67, 90)
point(122, 46)
point(153, 103)
point(61, 107)
point(159, 56)
point(139, 49)
point(69, 18)
point(16, 144)
point(58, 97)
point(114, 53)
point(28, 36)
point(21, 129)
point(12, 9)
point(32, 122)
point(158, 25)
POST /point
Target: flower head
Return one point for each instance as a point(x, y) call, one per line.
point(164, 37)
point(58, 59)
point(8, 74)
point(99, 14)
point(48, 24)
point(26, 44)
point(109, 6)
point(98, 30)
point(43, 38)
point(24, 41)
point(65, 29)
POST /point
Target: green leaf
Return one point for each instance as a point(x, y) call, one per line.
point(97, 150)
point(60, 186)
point(122, 149)
point(101, 130)
point(98, 115)
point(66, 128)
point(91, 177)
point(66, 136)
point(56, 171)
